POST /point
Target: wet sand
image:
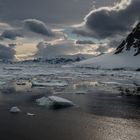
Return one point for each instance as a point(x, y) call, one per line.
point(96, 116)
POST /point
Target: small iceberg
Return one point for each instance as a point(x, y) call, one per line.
point(54, 102)
point(30, 114)
point(81, 92)
point(15, 109)
point(49, 83)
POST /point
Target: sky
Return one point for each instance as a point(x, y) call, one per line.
point(50, 11)
point(46, 28)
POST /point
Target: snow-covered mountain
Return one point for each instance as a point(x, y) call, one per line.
point(131, 43)
point(63, 59)
point(127, 54)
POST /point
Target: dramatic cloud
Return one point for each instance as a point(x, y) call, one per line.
point(7, 53)
point(102, 48)
point(106, 22)
point(64, 47)
point(52, 11)
point(39, 27)
point(58, 48)
point(84, 42)
point(11, 34)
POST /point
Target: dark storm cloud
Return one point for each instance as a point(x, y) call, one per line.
point(11, 34)
point(84, 42)
point(39, 27)
point(6, 53)
point(52, 11)
point(109, 21)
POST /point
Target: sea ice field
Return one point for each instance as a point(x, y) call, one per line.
point(65, 102)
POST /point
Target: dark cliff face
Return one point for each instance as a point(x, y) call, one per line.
point(131, 41)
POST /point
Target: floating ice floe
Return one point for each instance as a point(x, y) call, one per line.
point(30, 114)
point(80, 92)
point(49, 83)
point(54, 102)
point(12, 68)
point(119, 96)
point(21, 83)
point(15, 109)
point(117, 83)
point(2, 83)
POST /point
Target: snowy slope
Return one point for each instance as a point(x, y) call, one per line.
point(111, 61)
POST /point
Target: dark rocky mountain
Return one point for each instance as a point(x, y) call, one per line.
point(132, 41)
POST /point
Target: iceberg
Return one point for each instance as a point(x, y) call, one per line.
point(43, 101)
point(15, 109)
point(54, 102)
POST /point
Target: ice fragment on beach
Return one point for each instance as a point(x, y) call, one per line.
point(54, 102)
point(15, 109)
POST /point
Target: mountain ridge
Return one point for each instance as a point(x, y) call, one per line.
point(126, 55)
point(132, 41)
